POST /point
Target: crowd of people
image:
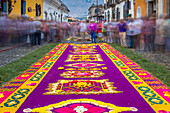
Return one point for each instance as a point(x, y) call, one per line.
point(16, 30)
point(147, 34)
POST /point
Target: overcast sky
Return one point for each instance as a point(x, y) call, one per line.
point(79, 8)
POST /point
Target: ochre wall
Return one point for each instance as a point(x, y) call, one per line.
point(143, 6)
point(17, 7)
point(32, 4)
point(29, 3)
point(164, 6)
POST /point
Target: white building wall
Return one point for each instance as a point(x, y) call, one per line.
point(65, 14)
point(106, 11)
point(160, 7)
point(49, 7)
point(120, 6)
point(131, 11)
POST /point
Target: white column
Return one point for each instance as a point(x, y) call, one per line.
point(160, 7)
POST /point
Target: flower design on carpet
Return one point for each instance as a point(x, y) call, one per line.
point(82, 74)
point(81, 106)
point(81, 53)
point(1, 95)
point(84, 65)
point(86, 87)
point(84, 50)
point(91, 57)
point(84, 46)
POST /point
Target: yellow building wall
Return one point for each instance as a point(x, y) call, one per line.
point(32, 4)
point(143, 6)
point(29, 3)
point(17, 7)
point(164, 6)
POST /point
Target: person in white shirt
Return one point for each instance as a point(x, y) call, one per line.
point(83, 29)
point(134, 32)
point(38, 25)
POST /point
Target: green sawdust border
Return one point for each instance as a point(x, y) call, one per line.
point(159, 71)
point(15, 68)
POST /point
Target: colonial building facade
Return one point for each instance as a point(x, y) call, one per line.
point(95, 11)
point(118, 9)
point(43, 9)
point(55, 10)
point(31, 8)
point(151, 8)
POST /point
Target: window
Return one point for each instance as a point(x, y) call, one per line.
point(23, 7)
point(3, 5)
point(38, 10)
point(117, 13)
point(113, 14)
point(138, 15)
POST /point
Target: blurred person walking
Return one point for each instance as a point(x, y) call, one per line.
point(104, 30)
point(3, 28)
point(93, 29)
point(115, 33)
point(160, 39)
point(99, 30)
point(109, 32)
point(38, 26)
point(129, 38)
point(122, 26)
point(83, 29)
point(147, 30)
point(165, 28)
point(131, 32)
point(134, 33)
point(73, 29)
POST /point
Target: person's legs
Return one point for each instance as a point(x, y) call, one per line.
point(121, 40)
point(168, 44)
point(124, 39)
point(83, 36)
point(130, 41)
point(138, 41)
point(39, 37)
point(109, 37)
point(92, 37)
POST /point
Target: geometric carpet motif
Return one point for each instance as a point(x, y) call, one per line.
point(86, 87)
point(84, 65)
point(81, 106)
point(92, 57)
point(82, 74)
